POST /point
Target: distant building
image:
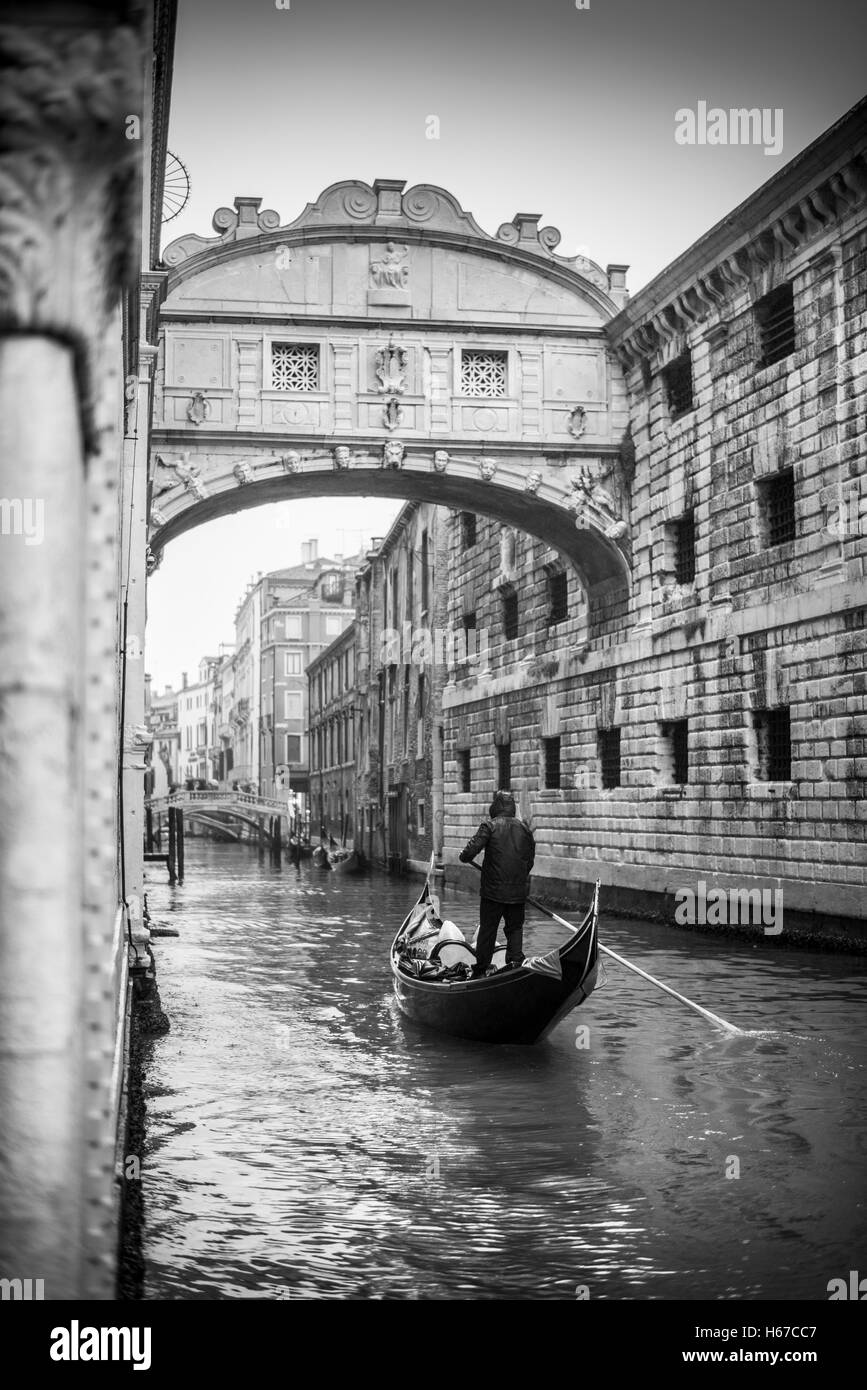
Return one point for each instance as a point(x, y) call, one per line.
point(403, 653)
point(332, 728)
point(161, 717)
point(197, 722)
point(284, 621)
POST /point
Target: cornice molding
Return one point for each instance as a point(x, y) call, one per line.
point(383, 211)
point(737, 252)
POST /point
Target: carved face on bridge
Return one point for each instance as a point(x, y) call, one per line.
point(292, 462)
point(392, 456)
point(441, 460)
point(341, 456)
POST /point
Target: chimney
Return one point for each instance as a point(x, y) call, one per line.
point(183, 680)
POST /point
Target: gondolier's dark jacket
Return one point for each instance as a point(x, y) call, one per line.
point(510, 852)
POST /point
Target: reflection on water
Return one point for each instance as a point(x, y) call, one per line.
point(306, 1141)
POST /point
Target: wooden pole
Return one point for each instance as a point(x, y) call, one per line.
point(278, 840)
point(172, 846)
point(636, 969)
point(149, 830)
point(261, 820)
point(179, 818)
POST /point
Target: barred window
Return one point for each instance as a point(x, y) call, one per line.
point(551, 747)
point(510, 615)
point(483, 373)
point(464, 769)
point(676, 735)
point(468, 530)
point(684, 548)
point(777, 499)
point(773, 744)
point(558, 597)
point(504, 767)
point(678, 384)
point(609, 757)
point(775, 317)
point(294, 367)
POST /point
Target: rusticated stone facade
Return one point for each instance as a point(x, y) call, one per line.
point(734, 681)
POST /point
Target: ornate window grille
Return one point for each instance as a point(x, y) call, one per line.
point(684, 549)
point(678, 384)
point(464, 776)
point(609, 757)
point(558, 597)
point(510, 614)
point(775, 316)
point(773, 744)
point(778, 497)
point(676, 734)
point(483, 373)
point(504, 767)
point(551, 748)
point(294, 367)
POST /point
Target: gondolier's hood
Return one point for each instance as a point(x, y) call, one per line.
point(502, 805)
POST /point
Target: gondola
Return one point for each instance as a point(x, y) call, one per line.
point(517, 1005)
point(341, 861)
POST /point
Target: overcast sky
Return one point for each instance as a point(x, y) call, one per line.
point(542, 108)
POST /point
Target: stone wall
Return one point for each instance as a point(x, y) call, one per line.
point(764, 624)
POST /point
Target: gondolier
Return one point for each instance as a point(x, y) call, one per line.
point(510, 852)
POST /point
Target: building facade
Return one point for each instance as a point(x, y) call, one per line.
point(284, 621)
point(332, 735)
point(403, 651)
point(714, 730)
point(161, 716)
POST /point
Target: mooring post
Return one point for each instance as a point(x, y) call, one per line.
point(149, 830)
point(261, 820)
point(179, 818)
point(158, 833)
point(278, 842)
point(172, 846)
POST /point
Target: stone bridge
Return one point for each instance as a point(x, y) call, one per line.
point(383, 344)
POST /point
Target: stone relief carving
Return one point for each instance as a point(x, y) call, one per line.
point(391, 271)
point(577, 421)
point(392, 454)
point(342, 457)
point(291, 462)
point(599, 496)
point(243, 471)
point(158, 518)
point(391, 370)
point(533, 481)
point(392, 415)
point(441, 460)
point(189, 474)
point(199, 409)
point(487, 469)
point(153, 559)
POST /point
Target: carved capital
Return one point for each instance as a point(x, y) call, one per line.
point(69, 180)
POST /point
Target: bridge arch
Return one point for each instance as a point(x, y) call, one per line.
point(382, 344)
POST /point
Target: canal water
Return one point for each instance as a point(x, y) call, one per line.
point(303, 1140)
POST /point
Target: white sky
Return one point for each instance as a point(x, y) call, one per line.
point(542, 108)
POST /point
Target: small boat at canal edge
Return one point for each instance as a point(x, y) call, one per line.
point(517, 1005)
point(341, 861)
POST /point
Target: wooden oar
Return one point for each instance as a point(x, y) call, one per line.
point(706, 1013)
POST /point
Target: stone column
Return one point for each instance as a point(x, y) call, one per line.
point(67, 243)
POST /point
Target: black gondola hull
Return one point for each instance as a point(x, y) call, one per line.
point(512, 1006)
